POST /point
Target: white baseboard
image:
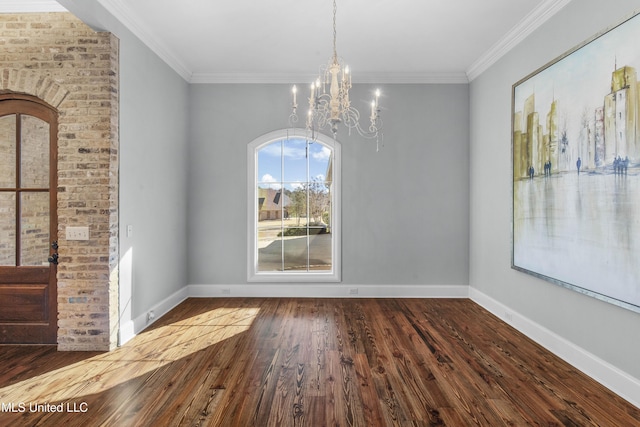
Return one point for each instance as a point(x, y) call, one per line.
point(130, 329)
point(126, 332)
point(309, 290)
point(614, 379)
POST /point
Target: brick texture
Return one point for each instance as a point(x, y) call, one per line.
point(59, 59)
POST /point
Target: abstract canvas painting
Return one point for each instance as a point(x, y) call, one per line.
point(576, 168)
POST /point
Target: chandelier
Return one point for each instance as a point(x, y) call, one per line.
point(329, 108)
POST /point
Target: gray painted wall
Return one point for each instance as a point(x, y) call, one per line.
point(404, 208)
point(603, 329)
point(153, 175)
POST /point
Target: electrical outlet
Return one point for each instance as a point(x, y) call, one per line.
point(150, 316)
point(77, 233)
point(226, 291)
point(353, 291)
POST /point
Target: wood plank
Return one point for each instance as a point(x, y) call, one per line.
point(312, 362)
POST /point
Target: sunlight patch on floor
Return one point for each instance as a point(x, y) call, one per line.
point(150, 350)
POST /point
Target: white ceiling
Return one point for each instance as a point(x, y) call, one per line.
point(384, 41)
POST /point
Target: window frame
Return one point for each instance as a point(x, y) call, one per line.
point(253, 275)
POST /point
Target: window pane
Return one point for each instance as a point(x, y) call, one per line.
point(270, 163)
point(34, 232)
point(8, 229)
point(296, 204)
point(326, 214)
point(320, 251)
point(294, 155)
point(318, 196)
point(270, 215)
point(270, 256)
point(8, 151)
point(296, 251)
point(34, 153)
point(319, 161)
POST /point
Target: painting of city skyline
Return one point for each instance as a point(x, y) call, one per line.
point(576, 168)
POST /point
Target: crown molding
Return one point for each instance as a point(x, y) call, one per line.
point(123, 13)
point(427, 77)
point(30, 6)
point(243, 78)
point(367, 78)
point(526, 26)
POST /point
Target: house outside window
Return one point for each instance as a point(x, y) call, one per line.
point(293, 208)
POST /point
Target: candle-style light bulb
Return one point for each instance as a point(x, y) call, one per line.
point(295, 91)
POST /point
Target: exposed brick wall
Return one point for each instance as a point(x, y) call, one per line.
point(57, 58)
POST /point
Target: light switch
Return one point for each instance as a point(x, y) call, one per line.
point(129, 230)
point(77, 233)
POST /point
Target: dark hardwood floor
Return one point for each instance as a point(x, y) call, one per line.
point(309, 362)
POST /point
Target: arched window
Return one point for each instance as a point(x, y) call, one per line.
point(293, 208)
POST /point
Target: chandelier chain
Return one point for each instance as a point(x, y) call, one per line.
point(335, 10)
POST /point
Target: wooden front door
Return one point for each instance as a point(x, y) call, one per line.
point(28, 221)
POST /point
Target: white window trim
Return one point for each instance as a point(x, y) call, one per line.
point(252, 211)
